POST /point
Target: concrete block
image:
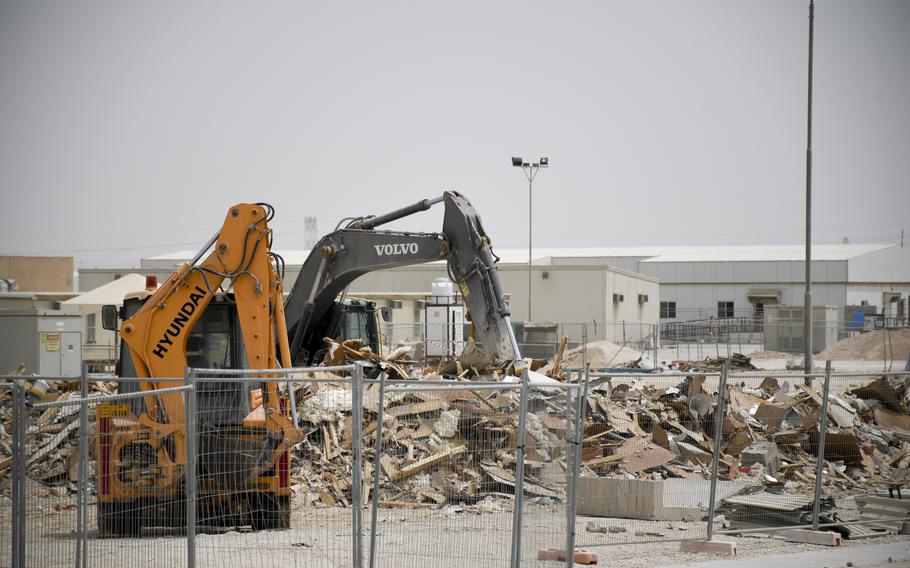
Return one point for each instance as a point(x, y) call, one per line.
point(826, 538)
point(709, 546)
point(621, 498)
point(764, 453)
point(649, 500)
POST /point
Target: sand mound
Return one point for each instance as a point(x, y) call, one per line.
point(891, 344)
point(602, 354)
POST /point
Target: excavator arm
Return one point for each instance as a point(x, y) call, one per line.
point(346, 254)
point(156, 335)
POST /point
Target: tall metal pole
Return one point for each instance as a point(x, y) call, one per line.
point(530, 188)
point(807, 316)
point(530, 169)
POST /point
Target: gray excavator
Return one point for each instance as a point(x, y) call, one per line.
point(312, 311)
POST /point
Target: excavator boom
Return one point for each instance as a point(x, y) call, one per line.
point(157, 333)
point(348, 253)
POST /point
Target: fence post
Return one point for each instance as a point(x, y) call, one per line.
point(356, 481)
point(570, 441)
point(81, 544)
point(18, 457)
point(574, 467)
point(377, 473)
point(718, 432)
point(820, 451)
point(520, 470)
point(189, 399)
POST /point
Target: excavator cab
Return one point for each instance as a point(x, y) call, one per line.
point(215, 342)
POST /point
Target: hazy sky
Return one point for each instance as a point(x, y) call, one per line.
point(128, 128)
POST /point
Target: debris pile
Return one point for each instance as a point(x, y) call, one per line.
point(874, 345)
point(456, 448)
point(438, 448)
point(597, 355)
point(770, 433)
point(53, 458)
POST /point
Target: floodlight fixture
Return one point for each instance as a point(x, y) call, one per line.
point(516, 162)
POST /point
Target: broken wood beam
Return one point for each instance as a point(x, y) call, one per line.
point(427, 462)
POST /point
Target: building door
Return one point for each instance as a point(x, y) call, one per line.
point(71, 354)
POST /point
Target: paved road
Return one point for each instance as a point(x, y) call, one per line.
point(866, 556)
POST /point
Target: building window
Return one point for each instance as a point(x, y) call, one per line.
point(90, 328)
point(667, 310)
point(724, 310)
point(759, 310)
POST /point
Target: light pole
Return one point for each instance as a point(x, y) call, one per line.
point(807, 317)
point(530, 170)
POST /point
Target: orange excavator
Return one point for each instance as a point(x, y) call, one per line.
point(243, 434)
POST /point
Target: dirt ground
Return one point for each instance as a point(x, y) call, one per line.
point(445, 538)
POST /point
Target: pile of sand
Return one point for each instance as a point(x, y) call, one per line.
point(601, 354)
point(876, 345)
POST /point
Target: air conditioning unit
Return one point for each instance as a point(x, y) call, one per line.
point(642, 298)
point(617, 298)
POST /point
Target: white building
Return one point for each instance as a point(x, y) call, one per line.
point(724, 281)
point(696, 282)
point(99, 346)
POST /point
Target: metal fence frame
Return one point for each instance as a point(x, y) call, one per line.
point(576, 396)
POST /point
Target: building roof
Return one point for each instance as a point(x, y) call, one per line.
point(724, 253)
point(111, 293)
point(697, 253)
point(764, 253)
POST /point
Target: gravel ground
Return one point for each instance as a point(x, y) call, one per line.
point(418, 538)
point(695, 352)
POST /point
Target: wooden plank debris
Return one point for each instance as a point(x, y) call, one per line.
point(428, 462)
point(416, 408)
